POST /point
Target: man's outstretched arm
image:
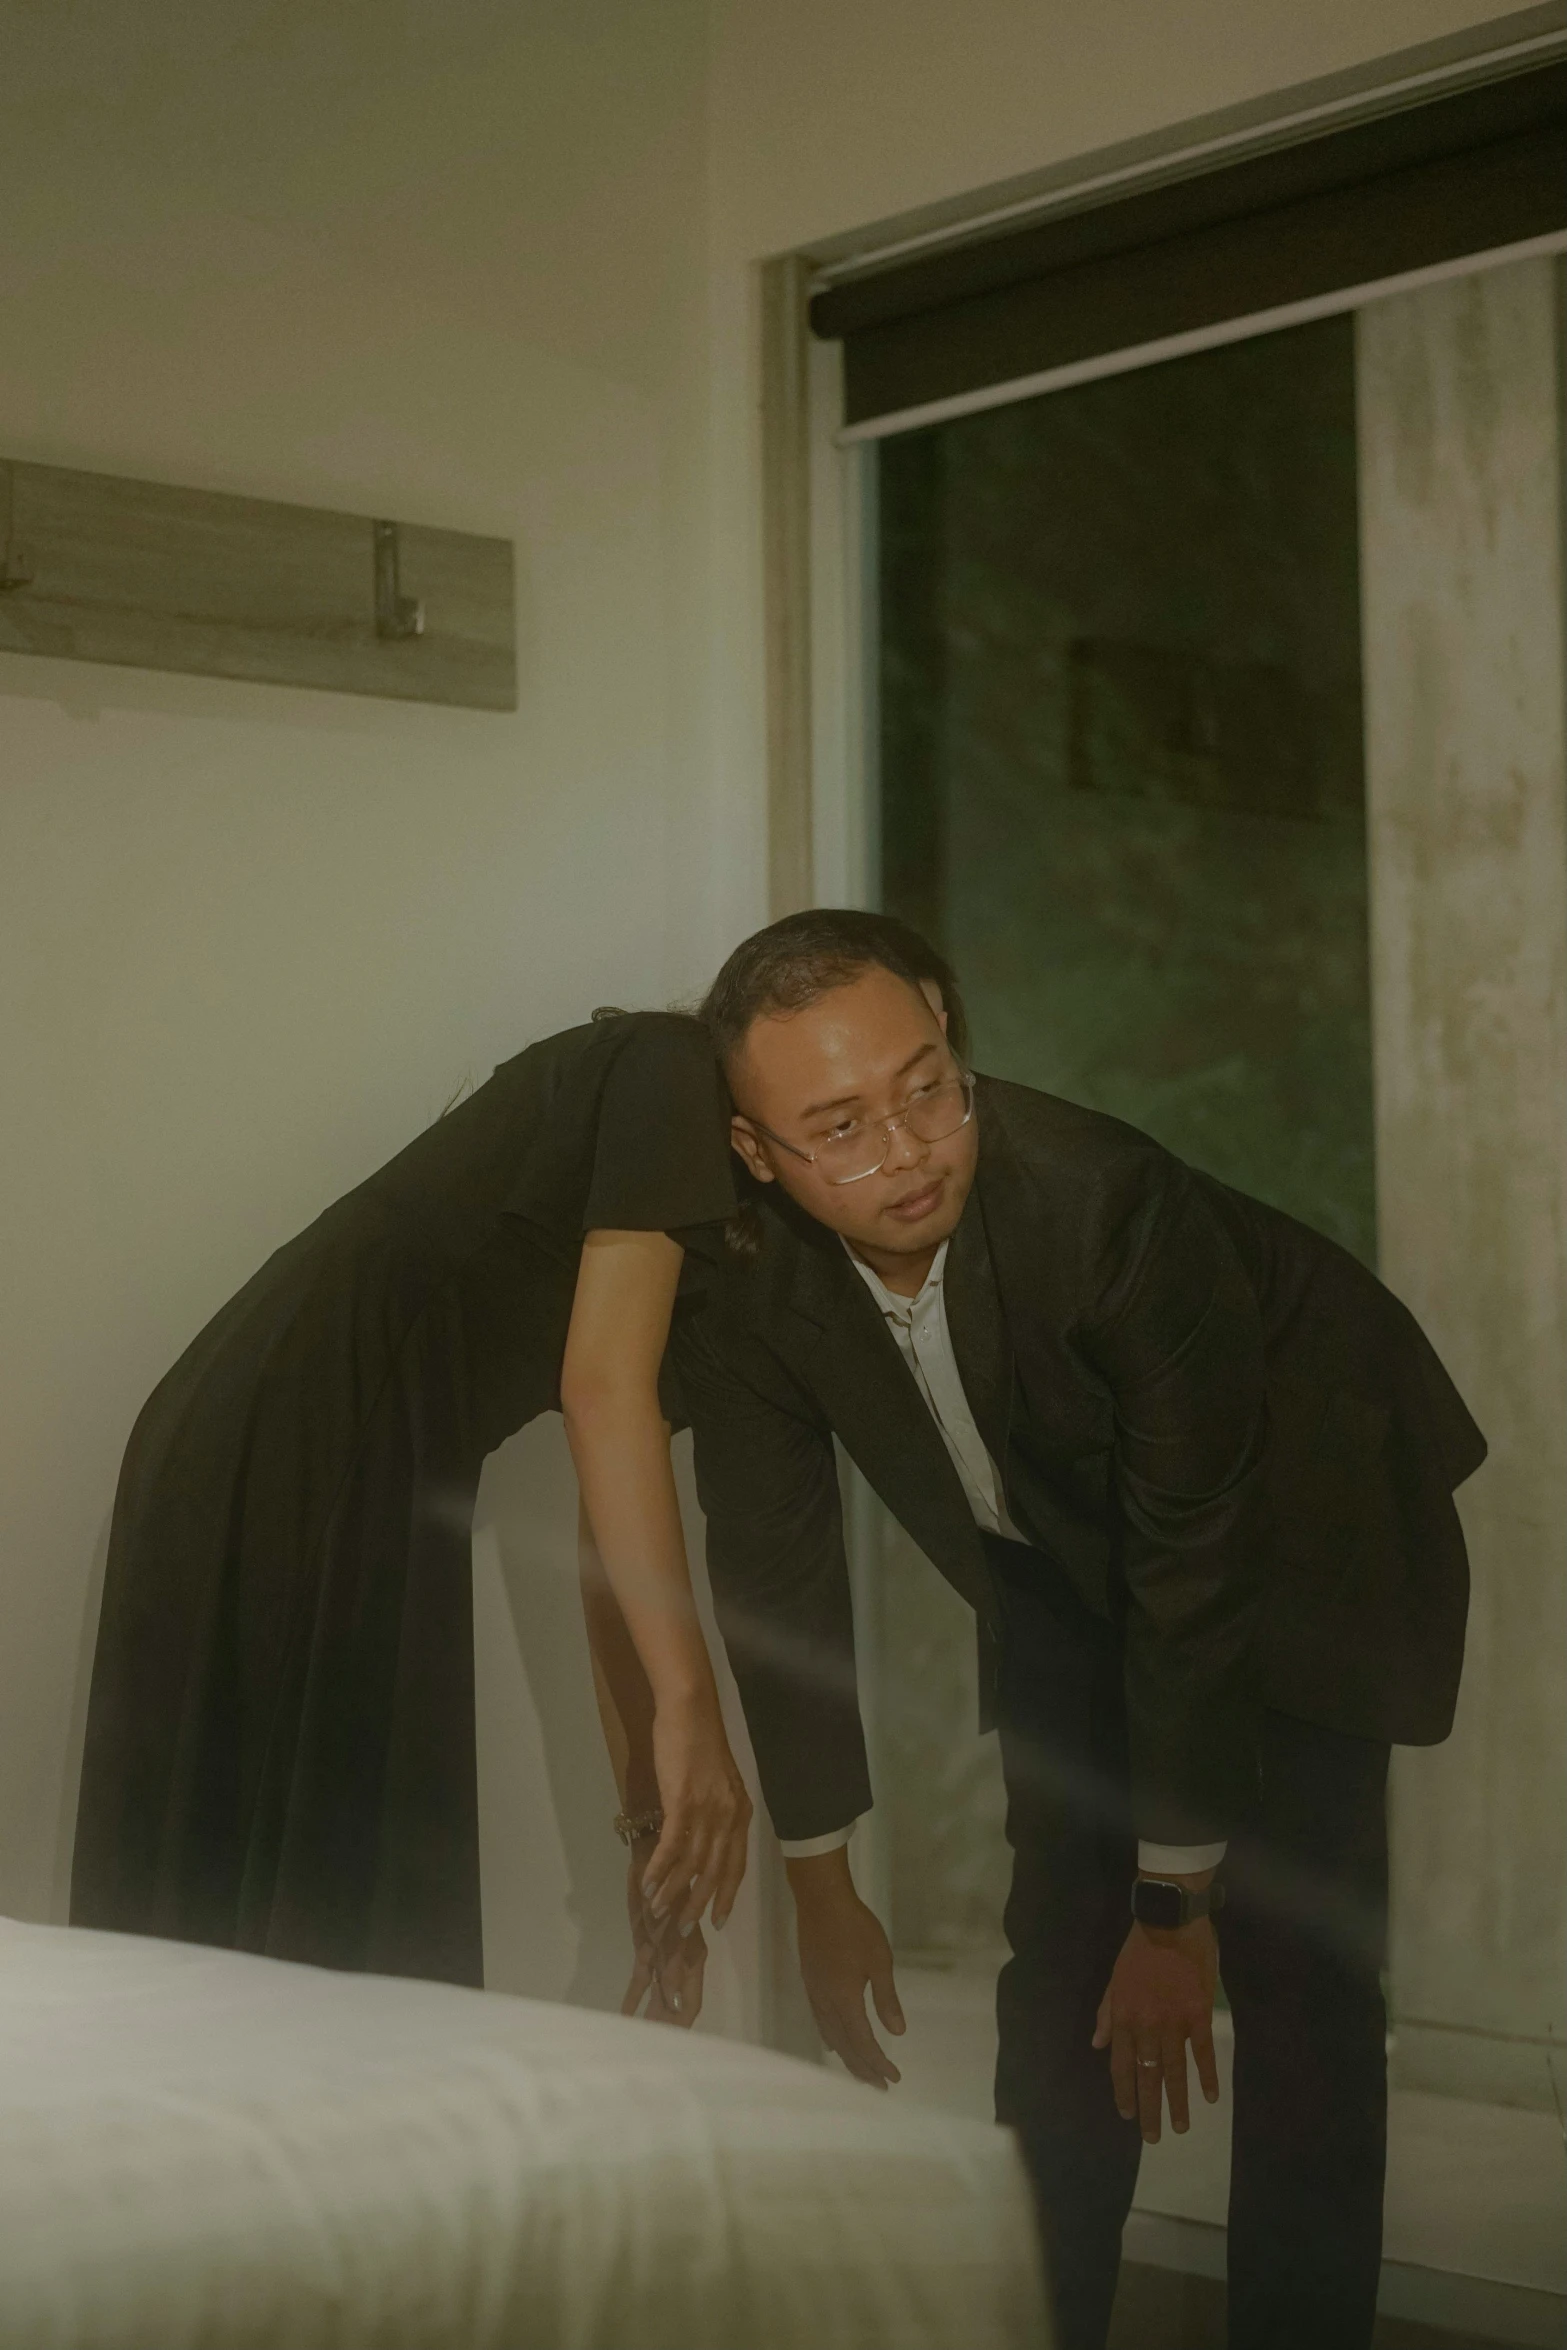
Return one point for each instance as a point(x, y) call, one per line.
point(1177, 1336)
point(1179, 1339)
point(767, 1477)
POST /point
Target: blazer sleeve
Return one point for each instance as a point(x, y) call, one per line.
point(1176, 1334)
point(767, 1479)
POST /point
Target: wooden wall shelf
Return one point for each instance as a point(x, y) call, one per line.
point(96, 568)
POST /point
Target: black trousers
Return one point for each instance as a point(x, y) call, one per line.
point(1302, 1940)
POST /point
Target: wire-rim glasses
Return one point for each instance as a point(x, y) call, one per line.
point(855, 1152)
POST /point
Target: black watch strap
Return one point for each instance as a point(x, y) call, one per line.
point(1158, 1902)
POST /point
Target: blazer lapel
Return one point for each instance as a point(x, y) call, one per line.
point(1027, 1280)
point(980, 1339)
point(850, 1360)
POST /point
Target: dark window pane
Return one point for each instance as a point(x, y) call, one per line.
point(1120, 757)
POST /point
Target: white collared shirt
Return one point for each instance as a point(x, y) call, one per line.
point(919, 1325)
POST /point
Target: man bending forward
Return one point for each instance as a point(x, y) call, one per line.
point(1193, 1468)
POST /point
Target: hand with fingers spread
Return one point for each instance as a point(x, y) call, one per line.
point(844, 1953)
point(1160, 1997)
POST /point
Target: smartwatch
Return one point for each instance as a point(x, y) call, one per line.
point(1159, 1903)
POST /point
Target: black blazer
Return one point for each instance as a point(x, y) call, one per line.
point(1239, 1445)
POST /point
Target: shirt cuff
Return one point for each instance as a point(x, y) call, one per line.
point(1176, 1860)
point(807, 1847)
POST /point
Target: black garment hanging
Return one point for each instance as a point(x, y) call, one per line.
point(280, 1740)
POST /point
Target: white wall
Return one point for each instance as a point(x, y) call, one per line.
point(477, 265)
point(829, 116)
point(445, 264)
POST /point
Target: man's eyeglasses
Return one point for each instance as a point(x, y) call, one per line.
point(863, 1147)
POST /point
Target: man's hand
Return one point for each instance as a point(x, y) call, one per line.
point(1161, 1996)
point(842, 1951)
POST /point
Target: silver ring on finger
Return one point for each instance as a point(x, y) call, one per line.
point(1149, 2064)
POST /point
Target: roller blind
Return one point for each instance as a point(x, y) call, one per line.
point(1459, 175)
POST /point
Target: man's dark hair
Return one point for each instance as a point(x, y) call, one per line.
point(790, 963)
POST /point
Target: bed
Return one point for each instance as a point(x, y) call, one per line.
point(201, 2148)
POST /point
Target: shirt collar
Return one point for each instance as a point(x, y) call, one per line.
point(888, 1299)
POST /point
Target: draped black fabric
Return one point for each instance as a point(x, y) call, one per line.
point(280, 1747)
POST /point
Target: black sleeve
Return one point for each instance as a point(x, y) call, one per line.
point(661, 1156)
point(1177, 1335)
point(767, 1478)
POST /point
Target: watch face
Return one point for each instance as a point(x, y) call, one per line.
point(1156, 1904)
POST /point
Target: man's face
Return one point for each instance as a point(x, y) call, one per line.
point(859, 1055)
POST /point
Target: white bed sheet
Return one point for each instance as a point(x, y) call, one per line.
point(198, 2148)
